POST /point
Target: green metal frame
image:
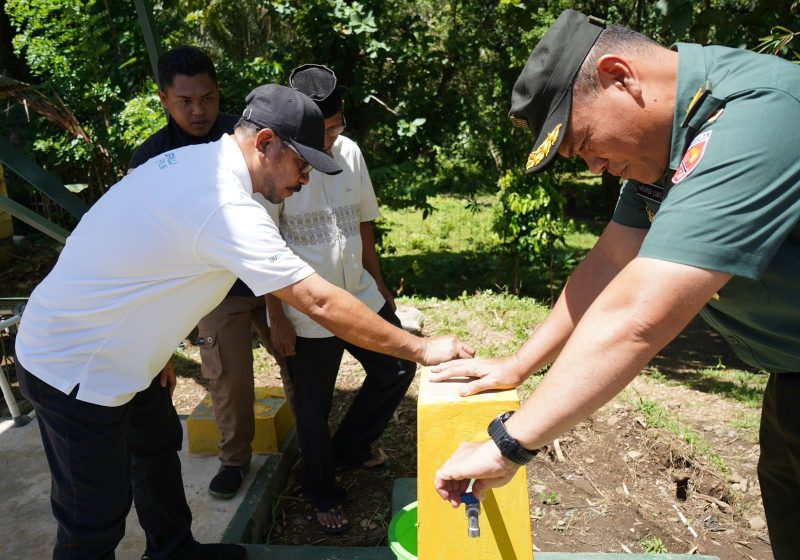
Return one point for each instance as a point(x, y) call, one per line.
point(23, 166)
point(39, 178)
point(43, 182)
point(151, 38)
point(33, 219)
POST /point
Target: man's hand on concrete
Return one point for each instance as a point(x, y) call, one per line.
point(480, 461)
point(490, 373)
point(442, 348)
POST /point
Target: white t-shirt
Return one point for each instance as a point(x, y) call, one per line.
point(321, 224)
point(155, 254)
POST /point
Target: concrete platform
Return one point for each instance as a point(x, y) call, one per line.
point(27, 527)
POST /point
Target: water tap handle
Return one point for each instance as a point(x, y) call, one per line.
point(473, 510)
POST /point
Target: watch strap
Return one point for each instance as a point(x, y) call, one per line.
point(509, 447)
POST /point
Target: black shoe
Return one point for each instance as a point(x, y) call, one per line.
point(227, 481)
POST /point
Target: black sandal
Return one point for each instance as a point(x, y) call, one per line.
point(338, 513)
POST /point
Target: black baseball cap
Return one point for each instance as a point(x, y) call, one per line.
point(319, 83)
point(295, 118)
point(542, 96)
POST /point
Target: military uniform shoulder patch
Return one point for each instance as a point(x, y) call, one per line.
point(691, 159)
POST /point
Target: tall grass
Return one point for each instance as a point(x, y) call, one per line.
point(454, 252)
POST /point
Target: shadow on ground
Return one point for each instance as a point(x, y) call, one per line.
point(698, 349)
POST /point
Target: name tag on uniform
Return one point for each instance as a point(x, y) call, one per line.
point(653, 193)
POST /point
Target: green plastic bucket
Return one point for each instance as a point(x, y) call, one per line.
point(403, 533)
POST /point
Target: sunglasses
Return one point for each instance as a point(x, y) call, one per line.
point(336, 130)
point(305, 167)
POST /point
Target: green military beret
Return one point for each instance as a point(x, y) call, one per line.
point(542, 96)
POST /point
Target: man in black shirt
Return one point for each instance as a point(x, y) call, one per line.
point(188, 89)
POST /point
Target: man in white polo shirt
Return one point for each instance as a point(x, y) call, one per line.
point(154, 255)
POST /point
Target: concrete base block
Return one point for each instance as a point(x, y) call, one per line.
point(274, 419)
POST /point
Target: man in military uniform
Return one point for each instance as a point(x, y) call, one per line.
point(707, 222)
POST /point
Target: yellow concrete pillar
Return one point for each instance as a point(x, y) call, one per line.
point(444, 420)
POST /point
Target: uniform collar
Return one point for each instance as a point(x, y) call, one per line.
point(180, 138)
point(233, 156)
point(692, 75)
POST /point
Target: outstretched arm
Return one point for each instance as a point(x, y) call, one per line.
point(646, 305)
point(349, 319)
point(369, 259)
point(616, 247)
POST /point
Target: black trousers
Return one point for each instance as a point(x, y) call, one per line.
point(103, 457)
point(313, 371)
point(779, 462)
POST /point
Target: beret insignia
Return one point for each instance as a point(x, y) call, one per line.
point(544, 148)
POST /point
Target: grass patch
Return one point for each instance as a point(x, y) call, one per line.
point(653, 545)
point(497, 324)
point(656, 416)
point(454, 252)
point(731, 384)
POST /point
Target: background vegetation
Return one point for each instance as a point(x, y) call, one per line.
point(426, 82)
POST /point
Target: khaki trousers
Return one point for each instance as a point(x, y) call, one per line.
point(226, 351)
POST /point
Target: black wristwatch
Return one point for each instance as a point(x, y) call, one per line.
point(509, 447)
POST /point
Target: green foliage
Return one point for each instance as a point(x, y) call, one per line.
point(653, 545)
point(656, 416)
point(529, 218)
point(86, 53)
point(549, 499)
point(141, 117)
point(454, 251)
point(426, 83)
point(735, 23)
point(529, 215)
point(778, 42)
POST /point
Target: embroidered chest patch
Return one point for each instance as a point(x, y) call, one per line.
point(692, 157)
point(653, 193)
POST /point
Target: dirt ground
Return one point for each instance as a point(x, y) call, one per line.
point(616, 485)
point(612, 484)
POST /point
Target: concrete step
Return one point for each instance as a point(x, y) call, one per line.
point(268, 552)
